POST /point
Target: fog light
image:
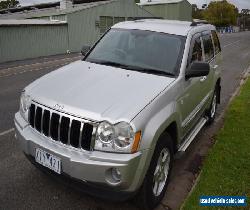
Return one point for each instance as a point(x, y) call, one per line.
point(116, 174)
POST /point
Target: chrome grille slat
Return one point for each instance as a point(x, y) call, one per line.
point(35, 117)
point(80, 136)
point(93, 137)
point(50, 114)
point(59, 127)
point(70, 122)
point(60, 124)
point(42, 121)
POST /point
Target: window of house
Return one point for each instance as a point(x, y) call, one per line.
point(118, 19)
point(105, 23)
point(130, 18)
point(108, 21)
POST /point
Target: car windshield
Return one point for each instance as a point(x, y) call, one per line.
point(144, 51)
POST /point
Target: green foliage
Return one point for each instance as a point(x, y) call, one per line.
point(8, 4)
point(226, 169)
point(196, 12)
point(221, 13)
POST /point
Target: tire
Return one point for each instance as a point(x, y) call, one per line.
point(149, 195)
point(211, 113)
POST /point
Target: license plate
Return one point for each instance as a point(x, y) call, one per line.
point(48, 160)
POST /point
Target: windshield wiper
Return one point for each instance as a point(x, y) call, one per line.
point(155, 71)
point(110, 63)
point(135, 68)
point(151, 71)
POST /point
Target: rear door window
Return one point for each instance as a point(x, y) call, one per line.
point(208, 47)
point(216, 42)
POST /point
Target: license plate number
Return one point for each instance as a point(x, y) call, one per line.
point(48, 160)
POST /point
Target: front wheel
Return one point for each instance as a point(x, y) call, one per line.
point(157, 177)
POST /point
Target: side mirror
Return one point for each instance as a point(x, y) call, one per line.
point(85, 50)
point(198, 69)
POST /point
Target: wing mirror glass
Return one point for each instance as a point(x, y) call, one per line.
point(198, 69)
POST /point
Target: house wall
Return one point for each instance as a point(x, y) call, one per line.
point(185, 11)
point(166, 11)
point(84, 26)
point(172, 11)
point(31, 41)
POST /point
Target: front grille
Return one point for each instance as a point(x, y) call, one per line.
point(61, 127)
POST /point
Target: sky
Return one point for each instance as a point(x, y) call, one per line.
point(241, 4)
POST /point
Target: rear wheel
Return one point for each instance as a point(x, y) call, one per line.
point(157, 177)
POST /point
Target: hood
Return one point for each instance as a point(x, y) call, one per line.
point(98, 92)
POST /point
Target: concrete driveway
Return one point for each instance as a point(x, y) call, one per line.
point(22, 186)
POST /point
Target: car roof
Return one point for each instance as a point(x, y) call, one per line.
point(176, 27)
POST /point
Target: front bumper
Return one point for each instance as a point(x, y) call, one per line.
point(86, 166)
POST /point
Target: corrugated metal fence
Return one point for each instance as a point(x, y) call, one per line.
point(29, 41)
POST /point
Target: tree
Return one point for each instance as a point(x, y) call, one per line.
point(196, 12)
point(221, 13)
point(8, 4)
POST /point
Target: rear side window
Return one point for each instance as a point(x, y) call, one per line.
point(208, 47)
point(197, 51)
point(216, 42)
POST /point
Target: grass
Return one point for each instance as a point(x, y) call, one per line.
point(226, 171)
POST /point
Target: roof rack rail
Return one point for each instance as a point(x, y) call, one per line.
point(198, 22)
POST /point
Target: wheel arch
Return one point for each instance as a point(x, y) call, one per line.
point(172, 130)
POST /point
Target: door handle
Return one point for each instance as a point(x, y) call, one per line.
point(203, 79)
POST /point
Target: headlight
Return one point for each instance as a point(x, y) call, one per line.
point(106, 133)
point(116, 138)
point(25, 102)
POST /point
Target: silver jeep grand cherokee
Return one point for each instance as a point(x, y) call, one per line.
point(114, 120)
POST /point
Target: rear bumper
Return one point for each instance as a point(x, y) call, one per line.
point(89, 167)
